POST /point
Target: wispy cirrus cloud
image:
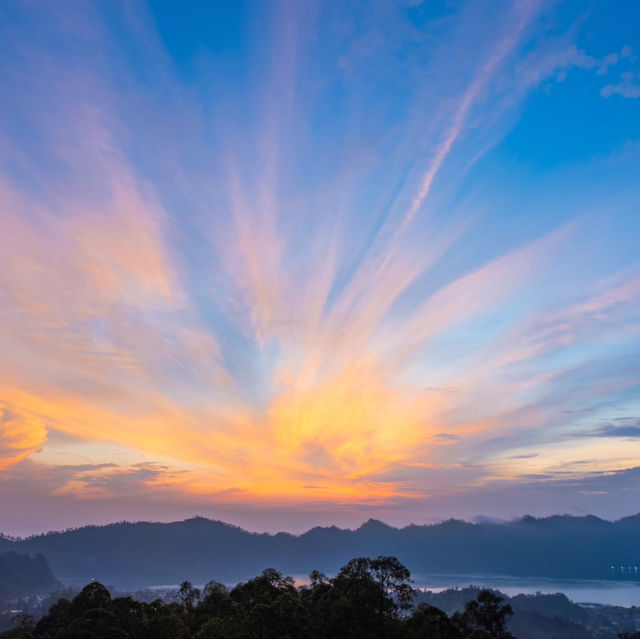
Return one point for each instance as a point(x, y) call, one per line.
point(20, 435)
point(278, 295)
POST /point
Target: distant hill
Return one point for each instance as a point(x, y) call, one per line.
point(132, 555)
point(21, 575)
point(546, 616)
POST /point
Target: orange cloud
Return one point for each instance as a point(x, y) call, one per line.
point(21, 434)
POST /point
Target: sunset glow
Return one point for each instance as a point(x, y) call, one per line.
point(289, 263)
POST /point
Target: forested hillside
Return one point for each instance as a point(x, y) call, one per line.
point(135, 555)
point(365, 600)
point(22, 575)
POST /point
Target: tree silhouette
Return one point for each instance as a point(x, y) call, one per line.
point(485, 616)
point(429, 621)
point(367, 599)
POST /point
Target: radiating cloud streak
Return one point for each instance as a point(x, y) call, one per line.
point(235, 299)
point(522, 14)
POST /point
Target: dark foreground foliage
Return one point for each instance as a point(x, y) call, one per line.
point(367, 599)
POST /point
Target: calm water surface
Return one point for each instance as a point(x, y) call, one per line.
point(615, 593)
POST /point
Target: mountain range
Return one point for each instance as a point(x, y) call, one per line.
point(137, 555)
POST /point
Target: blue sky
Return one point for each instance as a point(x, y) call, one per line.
point(289, 263)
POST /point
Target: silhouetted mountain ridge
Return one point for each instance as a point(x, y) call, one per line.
point(199, 549)
point(22, 575)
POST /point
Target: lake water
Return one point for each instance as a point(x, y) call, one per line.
point(615, 593)
point(596, 591)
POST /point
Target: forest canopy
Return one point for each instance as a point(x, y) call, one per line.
point(367, 599)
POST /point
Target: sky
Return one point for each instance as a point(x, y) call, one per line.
point(288, 263)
